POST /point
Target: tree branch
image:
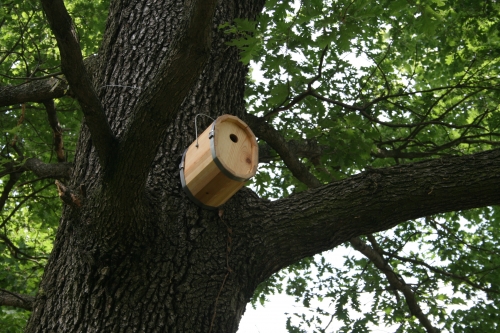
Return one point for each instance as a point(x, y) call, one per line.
point(394, 280)
point(56, 130)
point(48, 170)
point(9, 298)
point(162, 99)
point(372, 201)
point(297, 99)
point(440, 271)
point(74, 70)
point(14, 177)
point(266, 132)
point(39, 89)
point(33, 91)
point(303, 149)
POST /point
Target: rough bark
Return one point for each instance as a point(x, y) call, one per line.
point(135, 255)
point(148, 259)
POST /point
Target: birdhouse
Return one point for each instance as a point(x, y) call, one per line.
point(218, 163)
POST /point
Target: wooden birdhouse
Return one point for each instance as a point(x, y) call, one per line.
point(218, 163)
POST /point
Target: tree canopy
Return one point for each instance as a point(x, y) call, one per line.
point(346, 87)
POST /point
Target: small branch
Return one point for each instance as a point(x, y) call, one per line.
point(267, 133)
point(362, 108)
point(9, 298)
point(14, 177)
point(421, 126)
point(297, 99)
point(67, 195)
point(56, 130)
point(74, 70)
point(394, 280)
point(17, 251)
point(435, 224)
point(441, 272)
point(21, 203)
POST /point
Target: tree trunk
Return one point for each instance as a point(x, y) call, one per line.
point(146, 259)
point(133, 253)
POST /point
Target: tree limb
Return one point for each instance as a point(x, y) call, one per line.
point(394, 280)
point(440, 271)
point(39, 89)
point(39, 168)
point(372, 201)
point(56, 130)
point(7, 187)
point(266, 132)
point(33, 91)
point(74, 70)
point(9, 298)
point(161, 100)
point(48, 170)
point(297, 99)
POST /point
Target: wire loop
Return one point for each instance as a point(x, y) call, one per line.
point(196, 125)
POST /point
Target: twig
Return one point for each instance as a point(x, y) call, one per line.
point(36, 78)
point(21, 203)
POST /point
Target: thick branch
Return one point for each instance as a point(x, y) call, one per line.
point(394, 280)
point(48, 170)
point(33, 91)
point(39, 89)
point(9, 298)
point(161, 100)
point(74, 70)
point(39, 168)
point(376, 200)
point(298, 168)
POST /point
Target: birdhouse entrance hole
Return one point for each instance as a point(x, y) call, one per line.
point(233, 138)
